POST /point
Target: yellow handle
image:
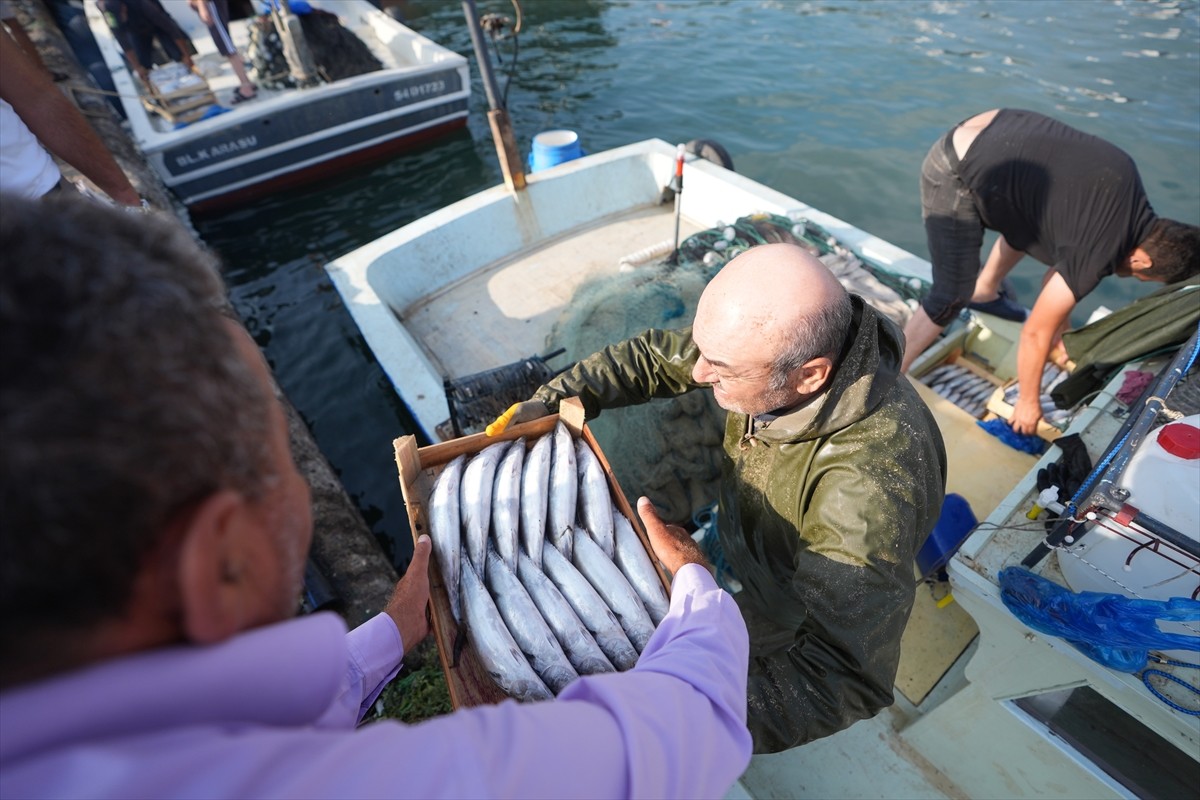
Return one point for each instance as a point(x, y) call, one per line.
point(501, 421)
point(945, 601)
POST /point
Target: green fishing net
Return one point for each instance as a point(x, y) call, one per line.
point(670, 450)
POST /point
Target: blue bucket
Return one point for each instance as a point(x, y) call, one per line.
point(554, 147)
point(956, 521)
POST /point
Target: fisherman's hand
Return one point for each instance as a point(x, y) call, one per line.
point(1026, 416)
point(673, 546)
point(517, 413)
point(410, 599)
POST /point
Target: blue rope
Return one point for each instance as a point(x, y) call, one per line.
point(1195, 351)
point(1193, 689)
point(1099, 470)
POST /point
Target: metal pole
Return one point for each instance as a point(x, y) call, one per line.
point(502, 133)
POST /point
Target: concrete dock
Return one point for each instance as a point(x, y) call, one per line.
point(344, 550)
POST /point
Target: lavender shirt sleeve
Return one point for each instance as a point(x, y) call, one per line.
point(376, 651)
point(674, 726)
point(254, 718)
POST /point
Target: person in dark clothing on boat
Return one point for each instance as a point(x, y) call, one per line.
point(832, 477)
point(215, 16)
point(136, 24)
point(1071, 200)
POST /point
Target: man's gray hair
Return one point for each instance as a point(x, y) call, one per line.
point(817, 335)
point(122, 403)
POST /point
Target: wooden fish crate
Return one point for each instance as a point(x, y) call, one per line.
point(468, 681)
point(998, 406)
point(177, 95)
point(954, 355)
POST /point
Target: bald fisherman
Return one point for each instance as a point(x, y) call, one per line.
point(1071, 200)
point(832, 477)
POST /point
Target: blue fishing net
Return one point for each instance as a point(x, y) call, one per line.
point(1025, 442)
point(1115, 630)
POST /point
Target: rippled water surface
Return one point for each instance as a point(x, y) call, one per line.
point(834, 103)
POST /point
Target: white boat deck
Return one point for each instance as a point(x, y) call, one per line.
point(501, 313)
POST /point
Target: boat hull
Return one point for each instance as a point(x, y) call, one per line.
point(290, 137)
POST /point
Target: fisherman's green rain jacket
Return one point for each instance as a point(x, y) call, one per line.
point(822, 512)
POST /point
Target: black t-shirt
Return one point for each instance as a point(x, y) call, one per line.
point(1069, 199)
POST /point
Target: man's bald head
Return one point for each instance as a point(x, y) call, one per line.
point(779, 294)
point(774, 309)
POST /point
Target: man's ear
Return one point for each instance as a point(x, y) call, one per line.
point(212, 568)
point(813, 376)
point(1140, 260)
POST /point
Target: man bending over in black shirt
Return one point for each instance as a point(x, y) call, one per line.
point(1071, 200)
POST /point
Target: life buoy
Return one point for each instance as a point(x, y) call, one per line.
point(710, 151)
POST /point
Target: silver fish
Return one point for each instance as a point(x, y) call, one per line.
point(577, 642)
point(593, 612)
point(525, 623)
point(960, 377)
point(934, 375)
point(606, 578)
point(634, 563)
point(445, 529)
point(535, 483)
point(984, 392)
point(506, 503)
point(495, 646)
point(564, 489)
point(595, 503)
point(475, 501)
point(1053, 383)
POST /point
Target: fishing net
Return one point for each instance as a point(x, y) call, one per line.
point(670, 450)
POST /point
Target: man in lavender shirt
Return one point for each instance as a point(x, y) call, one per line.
point(153, 543)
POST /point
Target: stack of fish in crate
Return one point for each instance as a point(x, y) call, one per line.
point(536, 562)
point(961, 385)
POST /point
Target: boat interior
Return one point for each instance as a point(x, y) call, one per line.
point(435, 301)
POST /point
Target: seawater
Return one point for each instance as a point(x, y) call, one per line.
point(834, 102)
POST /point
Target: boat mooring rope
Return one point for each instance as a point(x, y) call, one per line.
point(1146, 673)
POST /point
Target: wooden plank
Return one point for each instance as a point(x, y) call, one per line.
point(1000, 408)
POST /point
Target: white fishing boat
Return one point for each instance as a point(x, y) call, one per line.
point(985, 706)
point(285, 136)
point(472, 302)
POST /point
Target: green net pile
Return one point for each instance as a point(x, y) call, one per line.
point(670, 450)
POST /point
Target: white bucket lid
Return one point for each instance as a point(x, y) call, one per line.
point(556, 138)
